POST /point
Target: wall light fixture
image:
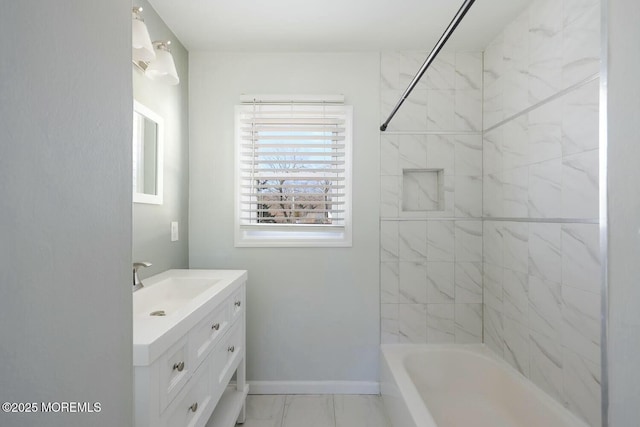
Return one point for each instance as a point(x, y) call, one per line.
point(142, 50)
point(153, 59)
point(163, 69)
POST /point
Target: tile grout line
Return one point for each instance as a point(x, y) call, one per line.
point(335, 421)
point(284, 405)
point(498, 219)
point(547, 100)
point(432, 132)
point(482, 211)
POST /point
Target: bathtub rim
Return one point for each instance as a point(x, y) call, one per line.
point(395, 354)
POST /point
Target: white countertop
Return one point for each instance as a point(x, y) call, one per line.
point(153, 335)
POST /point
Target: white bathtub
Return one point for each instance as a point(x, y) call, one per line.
point(462, 386)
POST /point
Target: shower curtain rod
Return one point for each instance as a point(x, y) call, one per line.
point(443, 39)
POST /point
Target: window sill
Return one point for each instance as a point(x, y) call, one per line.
point(247, 238)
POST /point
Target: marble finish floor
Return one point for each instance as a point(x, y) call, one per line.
point(315, 411)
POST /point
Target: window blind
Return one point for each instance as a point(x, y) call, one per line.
point(294, 163)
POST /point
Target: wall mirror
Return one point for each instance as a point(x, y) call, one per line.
point(148, 134)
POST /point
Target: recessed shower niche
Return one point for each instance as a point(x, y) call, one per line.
point(422, 190)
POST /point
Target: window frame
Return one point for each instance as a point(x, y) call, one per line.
point(294, 235)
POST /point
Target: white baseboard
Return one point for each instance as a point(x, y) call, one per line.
point(314, 387)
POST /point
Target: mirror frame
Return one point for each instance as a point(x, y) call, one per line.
point(154, 199)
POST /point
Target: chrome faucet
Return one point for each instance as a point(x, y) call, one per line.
point(137, 283)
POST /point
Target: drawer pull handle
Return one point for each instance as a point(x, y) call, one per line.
point(238, 303)
point(178, 366)
point(194, 407)
point(231, 349)
point(215, 326)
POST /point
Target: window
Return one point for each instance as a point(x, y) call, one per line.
point(293, 173)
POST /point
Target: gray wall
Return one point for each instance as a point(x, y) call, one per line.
point(151, 223)
point(624, 211)
point(65, 209)
point(313, 312)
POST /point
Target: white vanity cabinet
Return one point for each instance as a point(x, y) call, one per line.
point(183, 366)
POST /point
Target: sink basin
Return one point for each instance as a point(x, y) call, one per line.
point(171, 303)
point(169, 295)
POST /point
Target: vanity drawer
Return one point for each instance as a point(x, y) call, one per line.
point(175, 371)
point(207, 333)
point(194, 405)
point(218, 358)
point(236, 303)
point(228, 353)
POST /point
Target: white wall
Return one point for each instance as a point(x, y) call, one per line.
point(151, 223)
point(624, 211)
point(431, 256)
point(540, 200)
point(312, 313)
point(65, 209)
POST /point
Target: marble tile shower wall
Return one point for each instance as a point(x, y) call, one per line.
point(540, 200)
point(431, 260)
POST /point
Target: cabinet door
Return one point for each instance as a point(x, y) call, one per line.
point(229, 353)
point(194, 405)
point(174, 371)
point(204, 336)
point(237, 302)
